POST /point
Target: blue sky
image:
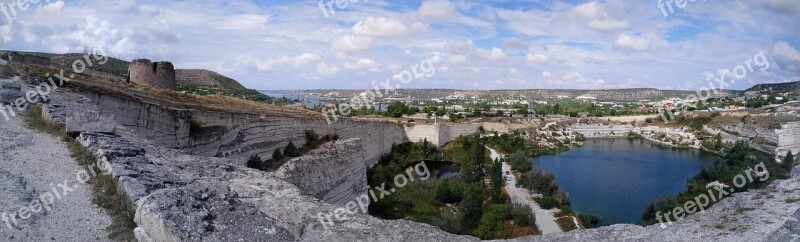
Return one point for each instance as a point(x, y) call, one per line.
point(499, 44)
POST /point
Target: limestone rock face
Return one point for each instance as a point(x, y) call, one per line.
point(90, 121)
point(204, 211)
point(9, 92)
point(335, 172)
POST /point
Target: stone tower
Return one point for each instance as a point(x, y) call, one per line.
point(156, 74)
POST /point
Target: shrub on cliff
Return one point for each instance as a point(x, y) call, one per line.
point(291, 150)
point(277, 155)
point(312, 138)
point(255, 162)
point(788, 162)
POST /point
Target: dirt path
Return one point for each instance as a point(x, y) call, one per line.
point(37, 167)
point(544, 218)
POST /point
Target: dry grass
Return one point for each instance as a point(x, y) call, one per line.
point(515, 231)
point(566, 224)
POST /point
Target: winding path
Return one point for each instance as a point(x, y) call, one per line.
point(544, 218)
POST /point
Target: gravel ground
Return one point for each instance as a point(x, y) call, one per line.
point(33, 165)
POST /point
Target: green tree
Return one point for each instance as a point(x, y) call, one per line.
point(718, 141)
point(497, 181)
point(396, 110)
point(472, 209)
point(491, 222)
point(291, 150)
point(311, 138)
point(277, 155)
point(520, 161)
point(255, 162)
point(788, 162)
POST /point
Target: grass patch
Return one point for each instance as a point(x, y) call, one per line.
point(566, 224)
point(105, 190)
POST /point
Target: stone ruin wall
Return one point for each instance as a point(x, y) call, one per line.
point(156, 74)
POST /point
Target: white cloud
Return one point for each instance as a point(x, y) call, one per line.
point(327, 70)
point(546, 74)
point(609, 25)
point(51, 8)
point(590, 10)
point(380, 27)
point(535, 58)
point(437, 10)
point(782, 49)
point(362, 63)
point(461, 47)
point(306, 58)
point(243, 22)
point(496, 54)
point(633, 43)
point(458, 59)
point(349, 43)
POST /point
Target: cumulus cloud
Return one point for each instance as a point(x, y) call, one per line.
point(51, 8)
point(496, 54)
point(269, 64)
point(461, 47)
point(535, 58)
point(437, 10)
point(362, 63)
point(327, 70)
point(786, 56)
point(380, 27)
point(633, 43)
point(515, 44)
point(349, 43)
point(458, 59)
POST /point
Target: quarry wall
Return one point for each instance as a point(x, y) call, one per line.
point(333, 173)
point(439, 134)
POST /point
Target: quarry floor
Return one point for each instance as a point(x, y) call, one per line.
point(33, 166)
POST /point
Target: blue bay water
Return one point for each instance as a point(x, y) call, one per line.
point(616, 179)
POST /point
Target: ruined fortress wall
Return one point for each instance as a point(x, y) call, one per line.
point(156, 74)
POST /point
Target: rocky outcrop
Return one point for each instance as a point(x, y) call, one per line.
point(123, 160)
point(9, 92)
point(335, 172)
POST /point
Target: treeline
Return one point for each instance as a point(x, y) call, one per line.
point(739, 160)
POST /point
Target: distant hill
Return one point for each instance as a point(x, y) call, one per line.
point(201, 82)
point(206, 78)
point(114, 66)
point(771, 88)
point(617, 95)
